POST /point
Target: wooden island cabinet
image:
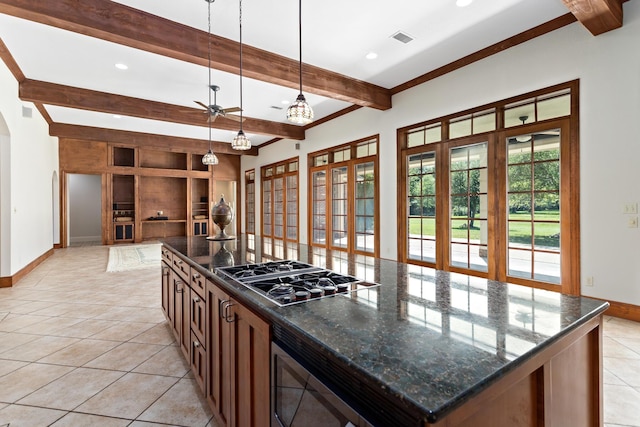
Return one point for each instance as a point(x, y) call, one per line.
point(148, 192)
point(227, 345)
point(392, 370)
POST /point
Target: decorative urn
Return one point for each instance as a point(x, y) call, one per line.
point(222, 215)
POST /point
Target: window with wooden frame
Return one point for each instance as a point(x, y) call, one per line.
point(344, 210)
point(494, 191)
point(250, 201)
point(280, 200)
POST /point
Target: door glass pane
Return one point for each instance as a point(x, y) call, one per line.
point(319, 206)
point(267, 220)
point(365, 207)
point(534, 186)
point(422, 206)
point(278, 207)
point(292, 206)
point(468, 181)
point(339, 206)
point(547, 236)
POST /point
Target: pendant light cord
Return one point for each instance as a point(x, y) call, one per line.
point(240, 65)
point(209, 68)
point(300, 40)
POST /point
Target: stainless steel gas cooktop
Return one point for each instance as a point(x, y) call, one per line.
point(291, 282)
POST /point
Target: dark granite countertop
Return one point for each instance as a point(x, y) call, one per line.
point(411, 349)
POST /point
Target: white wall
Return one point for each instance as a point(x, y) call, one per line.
point(608, 67)
point(85, 207)
point(26, 181)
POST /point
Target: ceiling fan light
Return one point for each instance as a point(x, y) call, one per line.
point(241, 142)
point(523, 138)
point(300, 111)
point(209, 159)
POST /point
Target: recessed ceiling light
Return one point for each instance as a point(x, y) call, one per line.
point(285, 102)
point(371, 55)
point(121, 66)
point(463, 3)
point(117, 116)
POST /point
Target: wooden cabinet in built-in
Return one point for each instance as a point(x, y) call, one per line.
point(123, 207)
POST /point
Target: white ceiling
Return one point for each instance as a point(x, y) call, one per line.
point(337, 35)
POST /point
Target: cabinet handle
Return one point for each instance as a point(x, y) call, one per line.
point(196, 299)
point(179, 262)
point(175, 286)
point(196, 276)
point(165, 271)
point(196, 344)
point(220, 309)
point(226, 316)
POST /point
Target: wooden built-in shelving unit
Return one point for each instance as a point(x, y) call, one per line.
point(149, 192)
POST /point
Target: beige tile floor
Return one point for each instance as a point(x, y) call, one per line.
point(82, 347)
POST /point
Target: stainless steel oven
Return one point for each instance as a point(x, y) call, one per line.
point(299, 399)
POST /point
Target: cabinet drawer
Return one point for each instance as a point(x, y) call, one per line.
point(198, 361)
point(198, 283)
point(182, 268)
point(198, 316)
point(167, 255)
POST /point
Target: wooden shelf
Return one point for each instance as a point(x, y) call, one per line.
point(163, 159)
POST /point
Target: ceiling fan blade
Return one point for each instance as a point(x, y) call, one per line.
point(212, 118)
point(202, 105)
point(234, 117)
point(232, 110)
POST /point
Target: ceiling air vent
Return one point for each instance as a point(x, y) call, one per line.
point(27, 112)
point(402, 37)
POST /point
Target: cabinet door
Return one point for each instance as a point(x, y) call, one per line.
point(198, 361)
point(251, 346)
point(198, 316)
point(166, 289)
point(181, 318)
point(218, 382)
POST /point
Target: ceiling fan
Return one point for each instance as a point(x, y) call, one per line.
point(216, 111)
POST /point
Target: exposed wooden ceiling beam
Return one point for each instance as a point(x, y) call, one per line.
point(10, 62)
point(121, 24)
point(598, 16)
point(62, 130)
point(73, 97)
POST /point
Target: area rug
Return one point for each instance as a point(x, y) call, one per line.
point(135, 257)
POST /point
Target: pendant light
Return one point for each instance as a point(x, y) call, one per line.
point(300, 112)
point(209, 159)
point(241, 142)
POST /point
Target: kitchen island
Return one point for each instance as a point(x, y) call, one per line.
point(426, 347)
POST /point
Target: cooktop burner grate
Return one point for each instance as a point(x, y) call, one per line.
point(290, 282)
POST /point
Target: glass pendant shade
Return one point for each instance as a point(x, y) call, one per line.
point(209, 158)
point(300, 112)
point(240, 142)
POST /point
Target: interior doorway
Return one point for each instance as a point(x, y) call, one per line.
point(5, 198)
point(55, 207)
point(84, 209)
